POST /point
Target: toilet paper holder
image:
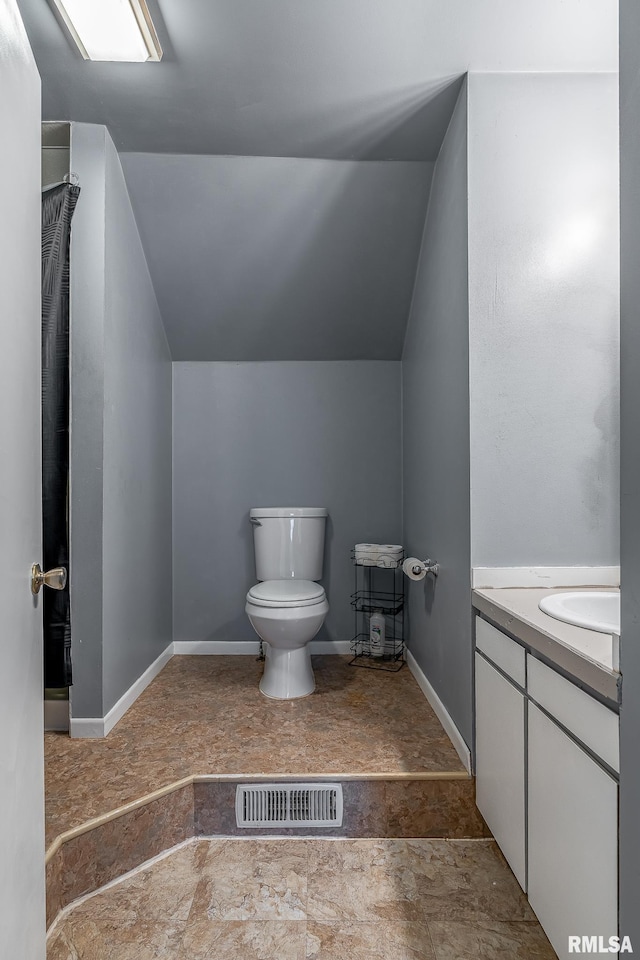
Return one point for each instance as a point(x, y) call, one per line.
point(428, 566)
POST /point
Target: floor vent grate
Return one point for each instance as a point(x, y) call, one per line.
point(289, 805)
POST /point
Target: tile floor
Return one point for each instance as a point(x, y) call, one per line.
point(296, 899)
point(205, 715)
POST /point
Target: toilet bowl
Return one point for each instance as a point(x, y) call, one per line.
point(288, 606)
point(287, 614)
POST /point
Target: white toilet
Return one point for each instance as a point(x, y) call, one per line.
point(287, 608)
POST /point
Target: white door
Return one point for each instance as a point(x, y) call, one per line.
point(21, 691)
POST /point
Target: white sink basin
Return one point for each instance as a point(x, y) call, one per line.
point(594, 609)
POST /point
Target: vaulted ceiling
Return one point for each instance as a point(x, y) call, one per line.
point(272, 258)
point(253, 152)
point(345, 79)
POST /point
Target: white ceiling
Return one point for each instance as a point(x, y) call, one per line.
point(345, 79)
point(298, 257)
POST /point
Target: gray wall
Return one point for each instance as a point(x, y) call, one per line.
point(277, 434)
point(136, 549)
point(269, 258)
point(55, 164)
point(121, 440)
point(87, 299)
point(435, 399)
point(544, 323)
point(55, 152)
point(630, 469)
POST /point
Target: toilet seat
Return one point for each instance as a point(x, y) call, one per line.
point(286, 593)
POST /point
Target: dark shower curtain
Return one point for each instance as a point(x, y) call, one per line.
point(58, 204)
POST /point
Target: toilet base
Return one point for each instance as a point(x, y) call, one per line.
point(288, 674)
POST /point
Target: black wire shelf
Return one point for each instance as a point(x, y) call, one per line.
point(378, 589)
point(392, 659)
point(388, 602)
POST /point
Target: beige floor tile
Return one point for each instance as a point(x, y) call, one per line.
point(164, 891)
point(490, 941)
point(465, 880)
point(291, 899)
point(221, 723)
point(244, 940)
point(361, 880)
point(109, 939)
point(412, 880)
point(253, 880)
point(368, 941)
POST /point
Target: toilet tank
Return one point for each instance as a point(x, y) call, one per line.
point(288, 542)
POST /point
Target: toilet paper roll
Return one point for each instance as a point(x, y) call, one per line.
point(366, 554)
point(390, 555)
point(367, 548)
point(414, 568)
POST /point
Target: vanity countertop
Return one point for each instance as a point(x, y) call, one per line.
point(585, 654)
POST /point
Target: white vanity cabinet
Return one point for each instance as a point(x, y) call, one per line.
point(572, 836)
point(546, 757)
point(500, 744)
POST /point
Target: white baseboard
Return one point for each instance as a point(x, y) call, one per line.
point(89, 728)
point(101, 726)
point(212, 648)
point(96, 727)
point(498, 577)
point(440, 711)
point(215, 648)
point(56, 715)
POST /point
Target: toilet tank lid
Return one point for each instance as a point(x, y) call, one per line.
point(288, 512)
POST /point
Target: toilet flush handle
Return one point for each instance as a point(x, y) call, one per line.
point(255, 521)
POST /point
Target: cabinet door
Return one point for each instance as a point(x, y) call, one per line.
point(572, 829)
point(500, 756)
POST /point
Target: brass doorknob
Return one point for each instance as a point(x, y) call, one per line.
point(55, 578)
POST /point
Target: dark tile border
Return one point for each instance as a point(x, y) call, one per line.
point(373, 808)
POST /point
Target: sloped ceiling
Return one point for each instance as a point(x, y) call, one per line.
point(262, 258)
point(342, 79)
point(310, 256)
